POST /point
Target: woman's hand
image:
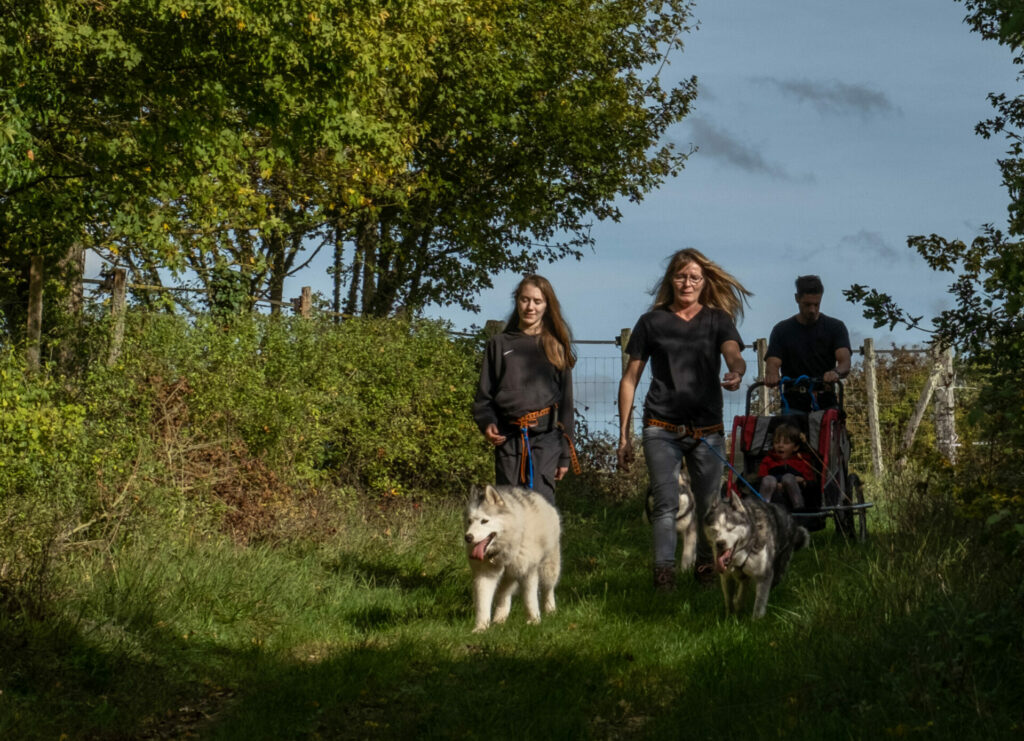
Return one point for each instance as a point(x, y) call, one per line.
point(731, 381)
point(735, 363)
point(494, 437)
point(625, 454)
point(560, 472)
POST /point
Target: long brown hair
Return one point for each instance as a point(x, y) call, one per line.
point(720, 291)
point(555, 335)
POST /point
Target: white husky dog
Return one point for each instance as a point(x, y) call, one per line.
point(512, 540)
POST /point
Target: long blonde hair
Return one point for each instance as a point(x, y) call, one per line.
point(720, 291)
point(555, 335)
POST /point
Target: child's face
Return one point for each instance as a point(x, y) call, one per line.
point(784, 448)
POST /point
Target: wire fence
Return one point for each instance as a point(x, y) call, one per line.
point(901, 374)
point(596, 387)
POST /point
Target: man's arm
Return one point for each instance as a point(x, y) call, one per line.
point(772, 366)
point(842, 368)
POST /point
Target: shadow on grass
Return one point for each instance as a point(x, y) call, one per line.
point(615, 662)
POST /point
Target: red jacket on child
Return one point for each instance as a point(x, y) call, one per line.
point(796, 464)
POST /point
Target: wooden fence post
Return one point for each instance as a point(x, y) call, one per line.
point(119, 281)
point(304, 305)
point(623, 341)
point(871, 390)
point(761, 348)
point(945, 422)
point(35, 313)
point(493, 327)
point(922, 402)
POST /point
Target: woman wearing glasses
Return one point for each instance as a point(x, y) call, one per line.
point(689, 329)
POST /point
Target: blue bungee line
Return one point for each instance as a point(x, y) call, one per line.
point(738, 474)
point(798, 379)
point(525, 430)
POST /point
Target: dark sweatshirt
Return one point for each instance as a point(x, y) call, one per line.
point(517, 378)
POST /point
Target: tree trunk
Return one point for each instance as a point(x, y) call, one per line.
point(353, 285)
point(369, 239)
point(35, 313)
point(339, 247)
point(73, 268)
point(274, 245)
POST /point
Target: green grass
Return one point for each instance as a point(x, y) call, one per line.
point(367, 635)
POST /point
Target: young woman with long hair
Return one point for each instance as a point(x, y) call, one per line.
point(686, 333)
point(523, 404)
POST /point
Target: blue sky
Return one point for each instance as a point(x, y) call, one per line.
point(828, 132)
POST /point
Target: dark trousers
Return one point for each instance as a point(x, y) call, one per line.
point(545, 449)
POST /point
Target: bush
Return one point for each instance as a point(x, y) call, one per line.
point(42, 494)
point(231, 425)
point(382, 405)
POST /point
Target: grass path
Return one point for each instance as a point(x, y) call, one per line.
point(368, 636)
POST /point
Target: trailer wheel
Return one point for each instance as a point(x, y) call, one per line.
point(853, 524)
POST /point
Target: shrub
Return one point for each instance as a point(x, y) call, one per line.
point(380, 404)
point(42, 492)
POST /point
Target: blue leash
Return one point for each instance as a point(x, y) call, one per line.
point(527, 452)
point(738, 474)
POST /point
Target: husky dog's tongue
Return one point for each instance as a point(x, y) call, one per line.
point(722, 562)
point(480, 549)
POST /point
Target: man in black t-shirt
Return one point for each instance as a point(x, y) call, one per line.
point(808, 344)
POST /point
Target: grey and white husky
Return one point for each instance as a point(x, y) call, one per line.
point(686, 520)
point(512, 540)
point(751, 540)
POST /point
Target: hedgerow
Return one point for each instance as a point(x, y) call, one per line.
point(229, 425)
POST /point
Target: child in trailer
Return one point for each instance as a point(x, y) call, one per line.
point(786, 469)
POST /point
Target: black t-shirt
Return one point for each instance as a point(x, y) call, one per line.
point(517, 378)
point(807, 350)
point(685, 358)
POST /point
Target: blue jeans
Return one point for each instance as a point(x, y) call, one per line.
point(664, 452)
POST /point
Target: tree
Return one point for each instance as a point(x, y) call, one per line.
point(147, 130)
point(986, 323)
point(441, 140)
point(538, 116)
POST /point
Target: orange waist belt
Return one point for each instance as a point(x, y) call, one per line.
point(524, 424)
point(686, 430)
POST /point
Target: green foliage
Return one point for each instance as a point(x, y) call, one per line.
point(449, 140)
point(900, 375)
point(43, 452)
point(379, 404)
point(234, 424)
point(537, 117)
point(150, 130)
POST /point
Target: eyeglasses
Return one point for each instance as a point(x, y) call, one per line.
point(692, 279)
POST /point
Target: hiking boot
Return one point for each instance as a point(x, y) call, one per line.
point(705, 574)
point(664, 578)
